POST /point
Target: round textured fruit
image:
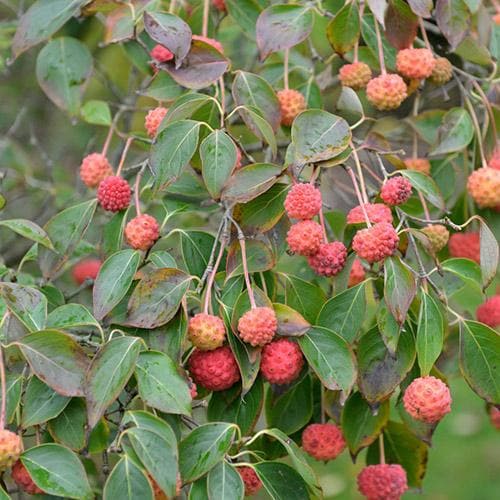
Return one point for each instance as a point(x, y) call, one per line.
point(355, 75)
point(153, 120)
point(415, 63)
point(438, 236)
point(292, 103)
point(281, 361)
point(210, 41)
point(442, 71)
point(206, 331)
point(375, 243)
point(215, 370)
point(396, 191)
point(142, 231)
point(357, 273)
point(258, 326)
point(386, 91)
point(303, 201)
point(484, 187)
point(21, 477)
point(161, 54)
point(114, 194)
point(489, 312)
point(382, 482)
point(11, 447)
point(329, 260)
point(305, 237)
point(377, 212)
point(418, 164)
point(465, 246)
point(323, 441)
point(86, 269)
point(427, 399)
point(95, 168)
point(250, 479)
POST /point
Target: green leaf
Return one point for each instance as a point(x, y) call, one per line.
point(426, 185)
point(370, 38)
point(28, 305)
point(318, 136)
point(345, 312)
point(430, 333)
point(108, 373)
point(252, 90)
point(380, 372)
point(57, 360)
point(41, 403)
point(29, 230)
point(290, 322)
point(203, 448)
point(281, 27)
point(173, 149)
point(330, 357)
point(113, 281)
point(303, 296)
point(488, 253)
point(281, 481)
point(480, 359)
point(389, 328)
point(68, 428)
point(260, 258)
point(157, 297)
point(289, 411)
point(257, 123)
point(360, 425)
point(127, 482)
point(426, 124)
point(455, 132)
point(198, 490)
point(42, 20)
point(453, 20)
point(63, 67)
point(163, 88)
point(400, 288)
point(218, 158)
point(13, 386)
point(344, 29)
point(250, 181)
point(144, 420)
point(112, 235)
point(161, 258)
point(225, 483)
point(71, 316)
point(196, 248)
point(160, 385)
point(57, 471)
point(245, 13)
point(96, 112)
point(185, 107)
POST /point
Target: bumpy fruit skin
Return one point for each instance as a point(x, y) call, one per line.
point(210, 41)
point(418, 164)
point(329, 259)
point(465, 246)
point(161, 54)
point(250, 479)
point(386, 92)
point(375, 243)
point(442, 71)
point(357, 274)
point(382, 482)
point(377, 212)
point(219, 5)
point(305, 237)
point(438, 236)
point(303, 201)
point(22, 478)
point(114, 194)
point(484, 187)
point(355, 75)
point(495, 160)
point(415, 63)
point(95, 168)
point(258, 326)
point(292, 103)
point(215, 370)
point(396, 191)
point(489, 312)
point(142, 231)
point(153, 120)
point(11, 446)
point(323, 441)
point(206, 331)
point(427, 399)
point(86, 269)
point(494, 413)
point(281, 361)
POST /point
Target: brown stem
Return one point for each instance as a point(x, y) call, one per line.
point(285, 68)
point(137, 189)
point(358, 195)
point(211, 277)
point(424, 205)
point(222, 100)
point(124, 155)
point(4, 390)
point(381, 448)
point(322, 222)
point(380, 48)
point(206, 11)
point(105, 148)
point(360, 173)
point(424, 34)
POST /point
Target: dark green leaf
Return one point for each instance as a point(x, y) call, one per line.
point(400, 288)
point(29, 230)
point(281, 481)
point(426, 185)
point(245, 13)
point(127, 482)
point(96, 112)
point(71, 316)
point(69, 426)
point(344, 29)
point(260, 258)
point(455, 132)
point(224, 483)
point(28, 305)
point(303, 296)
